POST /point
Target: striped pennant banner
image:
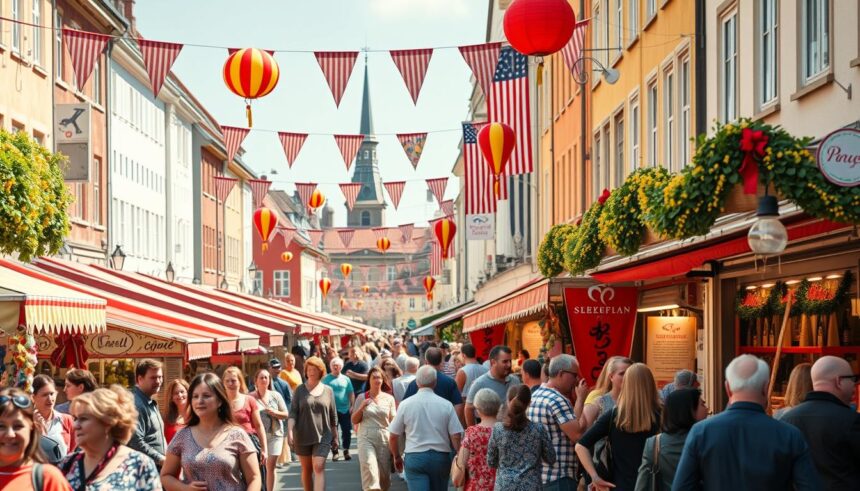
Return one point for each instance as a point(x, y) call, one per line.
point(350, 191)
point(413, 145)
point(84, 50)
point(158, 56)
point(572, 51)
point(412, 64)
point(437, 187)
point(292, 144)
point(482, 59)
point(305, 190)
point(316, 236)
point(406, 231)
point(259, 189)
point(223, 186)
point(336, 67)
point(395, 191)
point(233, 138)
point(346, 235)
point(348, 145)
point(288, 233)
point(447, 207)
point(380, 232)
point(435, 259)
point(331, 242)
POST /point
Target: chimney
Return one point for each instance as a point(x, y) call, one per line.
point(126, 8)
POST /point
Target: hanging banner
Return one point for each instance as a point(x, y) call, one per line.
point(602, 321)
point(72, 135)
point(670, 346)
point(481, 226)
point(484, 339)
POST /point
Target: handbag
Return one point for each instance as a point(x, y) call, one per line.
point(602, 459)
point(458, 472)
point(655, 463)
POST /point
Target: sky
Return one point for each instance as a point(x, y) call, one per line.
point(302, 101)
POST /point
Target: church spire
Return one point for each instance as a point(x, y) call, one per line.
point(366, 118)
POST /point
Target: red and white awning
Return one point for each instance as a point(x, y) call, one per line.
point(526, 300)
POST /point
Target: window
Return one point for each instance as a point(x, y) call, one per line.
point(257, 281)
point(16, 26)
point(669, 119)
point(37, 32)
point(97, 195)
point(634, 134)
point(411, 303)
point(282, 283)
point(619, 150)
point(815, 27)
point(97, 82)
point(392, 273)
point(633, 14)
point(606, 23)
point(728, 67)
point(650, 9)
point(685, 130)
point(607, 157)
point(78, 209)
point(365, 218)
point(652, 123)
point(598, 165)
point(619, 25)
point(59, 53)
point(767, 39)
point(597, 35)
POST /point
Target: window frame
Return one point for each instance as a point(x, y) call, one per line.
point(619, 28)
point(669, 119)
point(96, 199)
point(15, 15)
point(38, 42)
point(596, 149)
point(685, 111)
point(365, 213)
point(59, 55)
point(653, 122)
point(633, 21)
point(724, 98)
point(824, 69)
point(763, 49)
point(619, 129)
point(278, 282)
point(635, 126)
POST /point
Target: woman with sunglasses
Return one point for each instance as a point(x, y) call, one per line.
point(20, 461)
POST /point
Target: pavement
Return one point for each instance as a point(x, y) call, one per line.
point(340, 476)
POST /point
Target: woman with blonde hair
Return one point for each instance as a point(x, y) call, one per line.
point(177, 408)
point(273, 410)
point(312, 426)
point(104, 421)
point(289, 374)
point(246, 413)
point(373, 411)
point(635, 418)
point(799, 384)
point(606, 390)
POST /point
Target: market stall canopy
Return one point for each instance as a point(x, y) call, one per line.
point(443, 318)
point(46, 307)
point(525, 300)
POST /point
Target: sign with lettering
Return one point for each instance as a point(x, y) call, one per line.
point(671, 346)
point(602, 320)
point(838, 157)
point(118, 343)
point(72, 134)
point(481, 226)
point(484, 339)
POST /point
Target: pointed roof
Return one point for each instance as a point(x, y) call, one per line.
point(366, 127)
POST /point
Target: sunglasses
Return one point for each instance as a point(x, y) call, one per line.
point(854, 378)
point(21, 402)
point(575, 374)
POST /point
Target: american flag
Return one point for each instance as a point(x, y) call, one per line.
point(336, 67)
point(509, 103)
point(259, 188)
point(348, 145)
point(573, 49)
point(413, 145)
point(406, 231)
point(395, 191)
point(316, 236)
point(437, 187)
point(158, 57)
point(233, 138)
point(84, 50)
point(482, 59)
point(305, 190)
point(447, 207)
point(292, 144)
point(412, 64)
point(288, 233)
point(223, 186)
point(350, 191)
point(346, 235)
point(479, 180)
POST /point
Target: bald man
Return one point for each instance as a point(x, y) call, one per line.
point(830, 426)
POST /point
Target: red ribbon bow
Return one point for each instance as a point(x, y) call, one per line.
point(753, 144)
point(70, 351)
point(603, 196)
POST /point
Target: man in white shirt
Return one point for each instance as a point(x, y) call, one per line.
point(401, 383)
point(432, 430)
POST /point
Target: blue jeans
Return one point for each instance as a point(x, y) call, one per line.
point(563, 484)
point(427, 471)
point(344, 422)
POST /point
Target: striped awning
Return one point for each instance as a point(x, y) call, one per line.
point(526, 300)
point(46, 307)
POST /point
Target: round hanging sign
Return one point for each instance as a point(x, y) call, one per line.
point(838, 157)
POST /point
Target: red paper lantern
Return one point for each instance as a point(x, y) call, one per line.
point(316, 200)
point(539, 27)
point(445, 230)
point(497, 141)
point(383, 243)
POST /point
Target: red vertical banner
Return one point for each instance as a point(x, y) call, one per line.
point(484, 339)
point(602, 322)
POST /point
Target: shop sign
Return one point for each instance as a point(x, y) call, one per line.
point(72, 134)
point(481, 226)
point(118, 343)
point(670, 346)
point(602, 320)
point(484, 339)
point(838, 157)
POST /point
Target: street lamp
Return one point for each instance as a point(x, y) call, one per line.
point(117, 258)
point(169, 273)
point(252, 273)
point(224, 284)
point(767, 236)
point(581, 76)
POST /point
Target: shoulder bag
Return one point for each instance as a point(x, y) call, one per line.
point(602, 459)
point(655, 463)
point(458, 468)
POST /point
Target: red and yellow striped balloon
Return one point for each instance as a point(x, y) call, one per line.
point(445, 230)
point(325, 285)
point(251, 73)
point(345, 269)
point(383, 244)
point(429, 284)
point(365, 288)
point(316, 200)
point(497, 141)
point(286, 256)
point(265, 220)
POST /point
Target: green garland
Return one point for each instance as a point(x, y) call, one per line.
point(584, 249)
point(550, 255)
point(812, 306)
point(621, 223)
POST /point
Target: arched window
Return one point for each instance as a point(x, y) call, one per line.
point(365, 218)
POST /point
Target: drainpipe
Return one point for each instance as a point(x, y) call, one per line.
point(582, 120)
point(169, 110)
point(701, 70)
point(109, 229)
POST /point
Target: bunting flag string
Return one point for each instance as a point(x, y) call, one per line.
point(346, 235)
point(84, 50)
point(509, 103)
point(412, 64)
point(435, 259)
point(482, 59)
point(233, 138)
point(336, 67)
point(350, 191)
point(288, 233)
point(292, 144)
point(158, 56)
point(380, 232)
point(223, 186)
point(316, 236)
point(305, 190)
point(447, 207)
point(330, 242)
point(348, 145)
point(406, 231)
point(413, 145)
point(437, 187)
point(395, 191)
point(572, 51)
point(259, 189)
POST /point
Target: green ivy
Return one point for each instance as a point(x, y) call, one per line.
point(550, 255)
point(621, 223)
point(584, 250)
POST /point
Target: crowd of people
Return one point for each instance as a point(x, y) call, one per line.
point(434, 415)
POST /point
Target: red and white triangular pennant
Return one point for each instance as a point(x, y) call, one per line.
point(482, 59)
point(406, 231)
point(259, 189)
point(437, 187)
point(412, 64)
point(316, 236)
point(346, 235)
point(84, 50)
point(395, 191)
point(413, 145)
point(223, 186)
point(233, 138)
point(292, 144)
point(447, 207)
point(348, 145)
point(380, 232)
point(158, 56)
point(336, 67)
point(350, 191)
point(305, 190)
point(288, 233)
point(331, 241)
point(572, 51)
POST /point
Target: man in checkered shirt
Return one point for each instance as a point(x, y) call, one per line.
point(551, 407)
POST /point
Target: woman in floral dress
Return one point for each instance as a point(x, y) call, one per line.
point(473, 451)
point(104, 421)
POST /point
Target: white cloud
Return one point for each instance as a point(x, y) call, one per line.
point(396, 9)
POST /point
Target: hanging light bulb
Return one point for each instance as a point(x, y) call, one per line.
point(767, 236)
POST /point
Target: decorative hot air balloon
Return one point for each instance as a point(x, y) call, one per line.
point(497, 141)
point(359, 304)
point(286, 256)
point(325, 285)
point(346, 268)
point(316, 200)
point(251, 73)
point(445, 230)
point(429, 283)
point(365, 288)
point(539, 27)
point(383, 244)
point(265, 220)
